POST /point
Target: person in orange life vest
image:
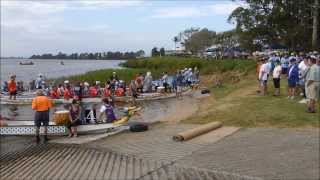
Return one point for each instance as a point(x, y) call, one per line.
point(12, 87)
point(54, 93)
point(60, 90)
point(67, 94)
point(107, 89)
point(41, 104)
point(93, 91)
point(119, 91)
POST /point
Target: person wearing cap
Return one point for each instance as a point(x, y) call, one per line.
point(276, 78)
point(12, 87)
point(293, 78)
point(313, 84)
point(41, 104)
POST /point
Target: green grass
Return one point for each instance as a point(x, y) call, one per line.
point(172, 64)
point(267, 111)
point(101, 75)
point(256, 111)
point(159, 65)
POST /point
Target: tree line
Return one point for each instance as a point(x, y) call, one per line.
point(286, 24)
point(96, 56)
point(156, 52)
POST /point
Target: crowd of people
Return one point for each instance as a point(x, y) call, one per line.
point(112, 87)
point(42, 104)
point(301, 70)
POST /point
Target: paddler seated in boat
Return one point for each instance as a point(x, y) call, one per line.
point(107, 109)
point(60, 90)
point(78, 90)
point(12, 87)
point(74, 116)
point(107, 89)
point(120, 90)
point(54, 94)
point(67, 90)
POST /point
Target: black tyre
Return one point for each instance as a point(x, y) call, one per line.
point(138, 127)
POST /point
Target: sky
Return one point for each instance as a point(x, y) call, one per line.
point(52, 26)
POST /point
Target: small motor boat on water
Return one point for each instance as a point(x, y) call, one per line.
point(26, 63)
point(61, 62)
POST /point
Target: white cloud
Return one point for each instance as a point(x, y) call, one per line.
point(178, 12)
point(191, 11)
point(223, 9)
point(107, 4)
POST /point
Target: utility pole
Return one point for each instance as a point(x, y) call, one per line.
point(315, 25)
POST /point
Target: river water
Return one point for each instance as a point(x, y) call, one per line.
point(51, 68)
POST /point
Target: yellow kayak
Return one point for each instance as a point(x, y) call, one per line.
point(122, 120)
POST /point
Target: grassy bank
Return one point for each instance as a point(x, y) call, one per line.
point(159, 65)
point(235, 103)
point(239, 105)
point(172, 64)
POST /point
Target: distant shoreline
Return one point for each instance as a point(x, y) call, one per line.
point(27, 59)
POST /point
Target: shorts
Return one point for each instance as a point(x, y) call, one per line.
point(313, 91)
point(13, 93)
point(276, 82)
point(292, 84)
point(41, 117)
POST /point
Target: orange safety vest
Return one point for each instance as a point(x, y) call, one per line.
point(12, 86)
point(120, 92)
point(93, 91)
point(41, 103)
point(67, 94)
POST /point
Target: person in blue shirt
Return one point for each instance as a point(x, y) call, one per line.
point(293, 78)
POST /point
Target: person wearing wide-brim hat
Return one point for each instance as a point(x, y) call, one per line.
point(41, 104)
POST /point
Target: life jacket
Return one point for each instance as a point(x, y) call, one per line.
point(106, 92)
point(119, 92)
point(67, 94)
point(54, 94)
point(93, 91)
point(12, 86)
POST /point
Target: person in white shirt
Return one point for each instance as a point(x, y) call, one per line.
point(303, 68)
point(276, 78)
point(263, 77)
